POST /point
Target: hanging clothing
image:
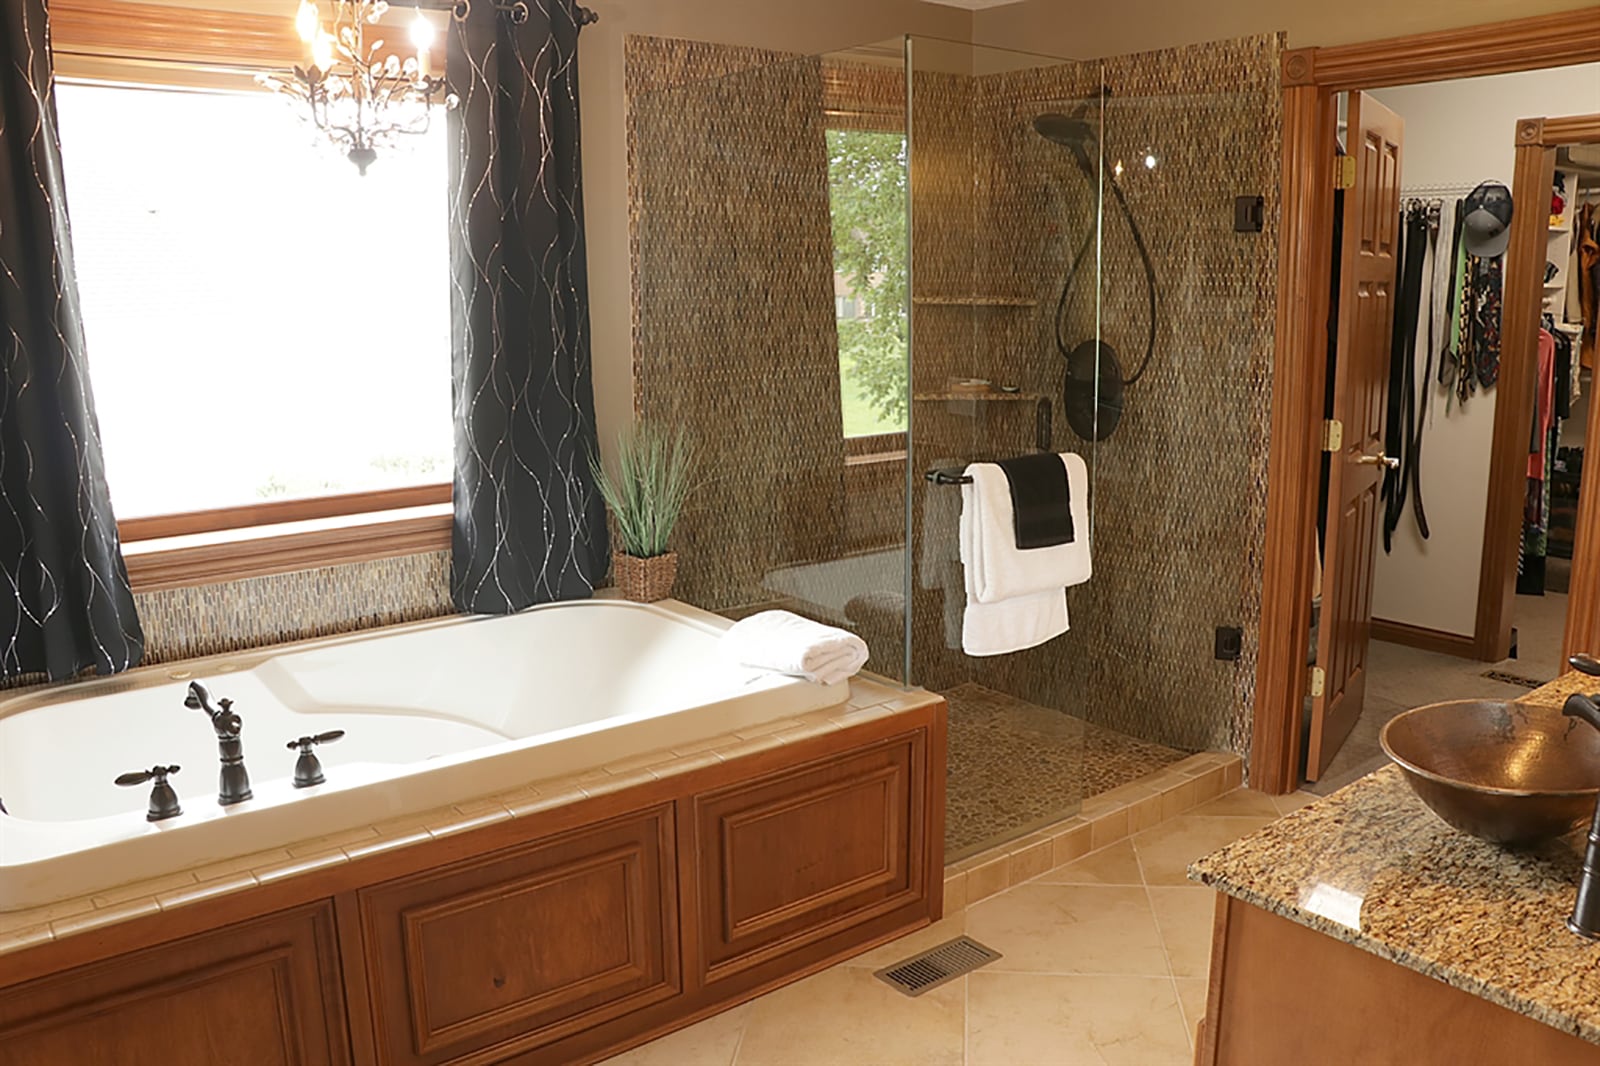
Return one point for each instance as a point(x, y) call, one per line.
point(1588, 282)
point(530, 524)
point(1544, 404)
point(68, 605)
point(1563, 369)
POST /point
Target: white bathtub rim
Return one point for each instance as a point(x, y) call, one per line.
point(357, 794)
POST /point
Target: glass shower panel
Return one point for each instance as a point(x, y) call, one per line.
point(1182, 481)
point(1005, 231)
point(767, 219)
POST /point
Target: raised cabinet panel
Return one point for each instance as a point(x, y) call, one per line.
point(261, 993)
point(793, 858)
point(504, 954)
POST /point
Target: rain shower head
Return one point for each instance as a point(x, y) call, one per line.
point(1072, 132)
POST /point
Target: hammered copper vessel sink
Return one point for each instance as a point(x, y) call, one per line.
point(1512, 773)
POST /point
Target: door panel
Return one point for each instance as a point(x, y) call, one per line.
point(1360, 383)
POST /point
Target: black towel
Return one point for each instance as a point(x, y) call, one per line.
point(1041, 500)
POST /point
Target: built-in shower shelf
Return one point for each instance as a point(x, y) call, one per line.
point(975, 301)
point(993, 396)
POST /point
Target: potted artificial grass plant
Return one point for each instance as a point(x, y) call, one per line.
point(646, 497)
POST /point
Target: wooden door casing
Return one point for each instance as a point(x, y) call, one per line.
point(1368, 262)
point(260, 993)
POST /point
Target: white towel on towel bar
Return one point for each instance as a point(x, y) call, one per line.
point(996, 568)
point(1017, 598)
point(789, 644)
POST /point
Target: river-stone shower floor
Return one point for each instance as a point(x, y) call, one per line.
point(1015, 766)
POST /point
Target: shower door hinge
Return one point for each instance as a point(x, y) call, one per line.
point(1318, 682)
point(1332, 435)
point(1344, 172)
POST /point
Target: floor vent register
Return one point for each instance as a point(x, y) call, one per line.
point(936, 966)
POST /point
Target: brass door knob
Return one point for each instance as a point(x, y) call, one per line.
point(1379, 460)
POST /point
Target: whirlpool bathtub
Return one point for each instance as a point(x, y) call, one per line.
point(433, 714)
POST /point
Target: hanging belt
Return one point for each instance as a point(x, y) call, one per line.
point(1403, 371)
point(1413, 460)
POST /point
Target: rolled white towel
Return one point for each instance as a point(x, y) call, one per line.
point(789, 644)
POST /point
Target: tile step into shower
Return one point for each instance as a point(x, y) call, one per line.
point(1104, 819)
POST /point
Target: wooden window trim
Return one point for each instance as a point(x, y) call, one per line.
point(234, 560)
point(346, 529)
point(278, 512)
point(160, 33)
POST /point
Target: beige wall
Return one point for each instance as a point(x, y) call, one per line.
point(1083, 30)
point(803, 27)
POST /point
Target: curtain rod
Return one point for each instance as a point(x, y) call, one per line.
point(517, 9)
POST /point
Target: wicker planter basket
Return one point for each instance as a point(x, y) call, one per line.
point(644, 580)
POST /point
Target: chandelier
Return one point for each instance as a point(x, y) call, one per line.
point(360, 99)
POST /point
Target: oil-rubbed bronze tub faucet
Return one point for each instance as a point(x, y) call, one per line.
point(1585, 920)
point(234, 784)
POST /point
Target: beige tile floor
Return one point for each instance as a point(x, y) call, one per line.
point(1105, 961)
point(1400, 678)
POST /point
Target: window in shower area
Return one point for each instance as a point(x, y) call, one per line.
point(867, 205)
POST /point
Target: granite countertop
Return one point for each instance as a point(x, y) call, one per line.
point(1375, 868)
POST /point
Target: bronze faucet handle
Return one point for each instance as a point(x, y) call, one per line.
point(307, 743)
point(139, 777)
point(163, 800)
point(1587, 664)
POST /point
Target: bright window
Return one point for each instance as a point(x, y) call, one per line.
point(867, 196)
point(262, 322)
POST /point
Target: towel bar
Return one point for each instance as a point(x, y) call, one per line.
point(947, 477)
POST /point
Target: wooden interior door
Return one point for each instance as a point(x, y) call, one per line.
point(1360, 385)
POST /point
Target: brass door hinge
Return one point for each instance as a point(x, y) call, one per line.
point(1332, 435)
point(1318, 682)
point(1344, 172)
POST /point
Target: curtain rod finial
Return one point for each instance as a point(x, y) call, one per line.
point(586, 17)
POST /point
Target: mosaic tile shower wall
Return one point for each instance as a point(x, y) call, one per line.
point(1180, 488)
point(735, 337)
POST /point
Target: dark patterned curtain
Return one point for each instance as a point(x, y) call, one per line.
point(69, 606)
point(529, 521)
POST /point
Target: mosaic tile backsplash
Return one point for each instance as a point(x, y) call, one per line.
point(236, 615)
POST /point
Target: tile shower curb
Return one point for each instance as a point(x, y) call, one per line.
point(1103, 820)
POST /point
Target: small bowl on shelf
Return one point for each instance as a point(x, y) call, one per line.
point(1508, 772)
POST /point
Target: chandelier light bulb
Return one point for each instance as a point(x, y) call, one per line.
point(422, 32)
point(322, 51)
point(306, 22)
point(422, 37)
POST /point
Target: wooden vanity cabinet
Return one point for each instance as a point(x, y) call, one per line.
point(264, 992)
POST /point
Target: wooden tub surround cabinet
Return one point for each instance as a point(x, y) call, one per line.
point(560, 923)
